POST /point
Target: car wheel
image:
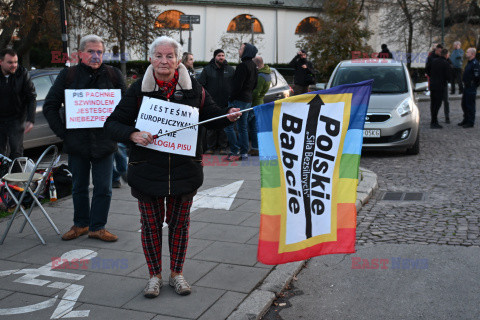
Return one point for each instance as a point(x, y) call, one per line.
point(415, 149)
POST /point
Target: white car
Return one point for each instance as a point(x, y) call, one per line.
point(393, 118)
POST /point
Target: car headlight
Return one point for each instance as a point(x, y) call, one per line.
point(404, 107)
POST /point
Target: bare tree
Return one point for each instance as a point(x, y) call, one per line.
point(128, 23)
point(230, 42)
point(339, 35)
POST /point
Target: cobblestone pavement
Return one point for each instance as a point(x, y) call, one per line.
point(446, 171)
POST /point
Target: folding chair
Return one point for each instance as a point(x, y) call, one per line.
point(25, 180)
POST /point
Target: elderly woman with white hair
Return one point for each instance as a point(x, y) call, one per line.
point(164, 183)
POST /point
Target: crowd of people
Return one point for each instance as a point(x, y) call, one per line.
point(443, 68)
point(163, 183)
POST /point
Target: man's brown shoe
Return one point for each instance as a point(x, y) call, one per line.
point(74, 233)
point(103, 235)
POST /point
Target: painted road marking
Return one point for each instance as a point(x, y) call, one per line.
point(72, 291)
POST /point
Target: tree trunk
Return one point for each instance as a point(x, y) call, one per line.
point(409, 45)
point(123, 36)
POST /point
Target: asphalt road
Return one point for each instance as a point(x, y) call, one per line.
point(428, 248)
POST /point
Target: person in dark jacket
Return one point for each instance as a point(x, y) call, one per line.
point(471, 80)
point(304, 74)
point(217, 77)
point(244, 81)
point(17, 104)
point(164, 183)
point(434, 54)
point(385, 53)
point(440, 73)
point(86, 148)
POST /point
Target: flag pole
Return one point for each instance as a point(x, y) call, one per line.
point(197, 124)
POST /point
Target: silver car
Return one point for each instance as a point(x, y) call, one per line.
point(393, 118)
point(41, 134)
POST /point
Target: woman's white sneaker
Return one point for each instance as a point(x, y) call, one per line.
point(180, 284)
point(152, 289)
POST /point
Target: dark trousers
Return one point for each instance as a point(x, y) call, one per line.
point(436, 97)
point(446, 105)
point(252, 129)
point(457, 78)
point(120, 166)
point(298, 89)
point(216, 139)
point(95, 215)
point(468, 105)
point(11, 132)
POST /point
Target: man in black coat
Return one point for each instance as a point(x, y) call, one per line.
point(17, 104)
point(304, 74)
point(471, 80)
point(89, 147)
point(216, 78)
point(243, 83)
point(432, 56)
point(440, 72)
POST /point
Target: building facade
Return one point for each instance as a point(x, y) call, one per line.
point(275, 26)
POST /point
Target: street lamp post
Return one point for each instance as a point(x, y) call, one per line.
point(63, 18)
point(253, 25)
point(276, 4)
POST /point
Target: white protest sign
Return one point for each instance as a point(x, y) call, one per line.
point(89, 108)
point(159, 116)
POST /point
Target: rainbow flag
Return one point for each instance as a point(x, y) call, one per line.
point(310, 148)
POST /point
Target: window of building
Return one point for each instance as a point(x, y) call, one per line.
point(243, 24)
point(170, 19)
point(308, 25)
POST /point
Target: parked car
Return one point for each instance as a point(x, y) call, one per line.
point(41, 133)
point(393, 118)
point(279, 87)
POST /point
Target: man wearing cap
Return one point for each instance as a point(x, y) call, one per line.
point(304, 73)
point(216, 77)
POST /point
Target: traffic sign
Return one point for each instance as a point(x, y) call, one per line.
point(190, 18)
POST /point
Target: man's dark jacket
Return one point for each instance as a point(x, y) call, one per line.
point(471, 74)
point(428, 66)
point(302, 76)
point(153, 173)
point(24, 95)
point(245, 77)
point(217, 81)
point(440, 74)
point(87, 143)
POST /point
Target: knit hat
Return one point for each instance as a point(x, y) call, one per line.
point(217, 52)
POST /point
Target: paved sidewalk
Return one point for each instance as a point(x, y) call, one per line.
point(221, 265)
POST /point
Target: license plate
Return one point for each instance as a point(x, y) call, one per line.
point(371, 133)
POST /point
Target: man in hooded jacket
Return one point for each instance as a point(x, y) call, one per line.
point(304, 74)
point(244, 81)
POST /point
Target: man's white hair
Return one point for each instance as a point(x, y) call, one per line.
point(164, 40)
point(90, 38)
point(472, 50)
